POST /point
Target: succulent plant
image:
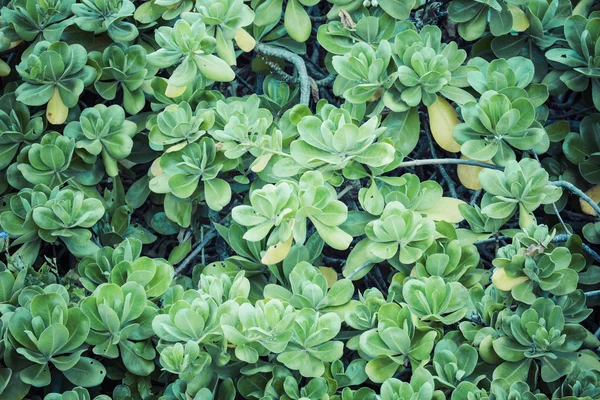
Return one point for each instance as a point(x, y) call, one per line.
point(421, 384)
point(331, 141)
point(99, 16)
point(527, 269)
point(178, 125)
point(49, 333)
point(17, 128)
point(426, 66)
point(102, 131)
point(58, 87)
point(45, 19)
point(539, 332)
point(119, 322)
point(578, 63)
point(225, 21)
point(473, 19)
point(123, 69)
point(188, 44)
point(180, 173)
point(312, 343)
point(394, 343)
point(531, 189)
point(495, 124)
point(583, 149)
point(398, 232)
point(431, 299)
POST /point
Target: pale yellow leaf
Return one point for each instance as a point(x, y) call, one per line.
point(56, 111)
point(446, 209)
point(442, 119)
point(502, 281)
point(277, 252)
point(330, 275)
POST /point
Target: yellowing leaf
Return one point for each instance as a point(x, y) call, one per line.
point(56, 111)
point(446, 209)
point(174, 91)
point(502, 281)
point(261, 162)
point(244, 40)
point(468, 175)
point(594, 193)
point(520, 20)
point(442, 119)
point(155, 168)
point(277, 252)
point(467, 236)
point(525, 218)
point(176, 147)
point(4, 68)
point(330, 275)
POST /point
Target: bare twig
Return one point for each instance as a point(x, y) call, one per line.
point(295, 59)
point(575, 190)
point(436, 161)
point(208, 236)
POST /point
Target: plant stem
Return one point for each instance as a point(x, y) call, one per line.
point(437, 161)
point(593, 293)
point(573, 189)
point(208, 236)
point(298, 62)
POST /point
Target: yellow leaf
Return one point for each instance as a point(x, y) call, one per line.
point(341, 311)
point(594, 193)
point(446, 209)
point(155, 168)
point(14, 44)
point(330, 275)
point(468, 175)
point(467, 236)
point(277, 252)
point(261, 162)
point(442, 119)
point(244, 40)
point(176, 147)
point(525, 218)
point(520, 20)
point(502, 281)
point(174, 91)
point(4, 68)
point(56, 111)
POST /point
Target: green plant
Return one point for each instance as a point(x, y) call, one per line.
point(540, 333)
point(188, 44)
point(102, 131)
point(48, 332)
point(299, 200)
point(398, 233)
point(531, 189)
point(496, 124)
point(580, 58)
point(123, 69)
point(106, 16)
point(58, 87)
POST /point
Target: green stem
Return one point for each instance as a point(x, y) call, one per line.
point(295, 59)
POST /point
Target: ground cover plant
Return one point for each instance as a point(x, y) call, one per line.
point(299, 199)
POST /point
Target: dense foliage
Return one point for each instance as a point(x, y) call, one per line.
point(299, 199)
